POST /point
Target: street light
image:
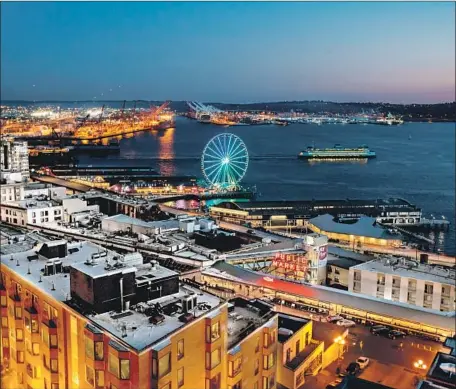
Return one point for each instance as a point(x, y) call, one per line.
point(420, 365)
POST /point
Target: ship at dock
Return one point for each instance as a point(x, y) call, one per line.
point(337, 153)
point(388, 120)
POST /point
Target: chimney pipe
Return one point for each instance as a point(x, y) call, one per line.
point(121, 295)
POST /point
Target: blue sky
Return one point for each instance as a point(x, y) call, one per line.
point(229, 52)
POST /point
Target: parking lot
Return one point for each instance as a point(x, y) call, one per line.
point(390, 364)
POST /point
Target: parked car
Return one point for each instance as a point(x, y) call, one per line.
point(377, 330)
point(362, 362)
point(346, 323)
point(396, 334)
point(334, 384)
point(334, 318)
point(352, 369)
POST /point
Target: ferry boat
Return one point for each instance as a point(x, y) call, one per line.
point(389, 120)
point(337, 153)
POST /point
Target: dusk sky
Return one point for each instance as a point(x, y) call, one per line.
point(228, 52)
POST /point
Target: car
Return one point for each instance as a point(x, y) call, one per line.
point(334, 384)
point(396, 334)
point(352, 369)
point(378, 330)
point(346, 323)
point(334, 318)
point(362, 362)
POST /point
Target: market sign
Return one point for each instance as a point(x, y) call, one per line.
point(291, 262)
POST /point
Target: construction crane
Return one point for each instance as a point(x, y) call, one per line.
point(155, 111)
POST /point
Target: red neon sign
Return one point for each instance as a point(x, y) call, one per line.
point(293, 262)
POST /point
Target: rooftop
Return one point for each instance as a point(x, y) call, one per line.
point(135, 329)
point(363, 227)
point(343, 253)
point(290, 323)
point(344, 263)
point(441, 371)
point(444, 320)
point(131, 326)
point(244, 317)
point(410, 269)
point(33, 203)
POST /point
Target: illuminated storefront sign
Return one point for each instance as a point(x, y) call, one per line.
point(292, 262)
point(323, 252)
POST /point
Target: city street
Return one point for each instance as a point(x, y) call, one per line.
point(389, 364)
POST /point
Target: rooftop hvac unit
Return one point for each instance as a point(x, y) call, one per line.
point(188, 303)
point(186, 318)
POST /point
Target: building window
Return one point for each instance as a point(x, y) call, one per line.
point(213, 359)
point(268, 361)
point(90, 376)
point(214, 382)
point(166, 386)
point(234, 367)
point(113, 365)
point(428, 288)
point(19, 334)
point(180, 377)
point(257, 347)
point(20, 357)
point(4, 322)
point(3, 301)
point(53, 341)
point(268, 339)
point(35, 348)
point(5, 342)
point(99, 352)
point(54, 366)
point(54, 385)
point(164, 365)
point(257, 366)
point(18, 312)
point(99, 379)
point(268, 383)
point(94, 350)
point(180, 349)
point(213, 332)
point(124, 369)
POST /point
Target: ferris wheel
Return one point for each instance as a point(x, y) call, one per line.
point(225, 160)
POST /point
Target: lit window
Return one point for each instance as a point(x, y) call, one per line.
point(54, 366)
point(268, 361)
point(5, 342)
point(180, 349)
point(164, 365)
point(124, 369)
point(20, 357)
point(4, 322)
point(213, 359)
point(34, 326)
point(45, 336)
point(214, 382)
point(114, 365)
point(35, 348)
point(234, 367)
point(99, 352)
point(213, 332)
point(3, 301)
point(19, 334)
point(89, 348)
point(180, 377)
point(18, 312)
point(90, 376)
point(53, 341)
point(99, 378)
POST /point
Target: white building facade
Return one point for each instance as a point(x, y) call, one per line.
point(32, 212)
point(407, 282)
point(14, 160)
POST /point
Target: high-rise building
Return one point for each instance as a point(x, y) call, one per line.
point(14, 159)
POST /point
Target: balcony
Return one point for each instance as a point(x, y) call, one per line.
point(307, 354)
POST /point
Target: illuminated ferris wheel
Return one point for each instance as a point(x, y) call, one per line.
point(225, 160)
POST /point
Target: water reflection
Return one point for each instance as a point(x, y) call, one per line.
point(166, 152)
point(358, 161)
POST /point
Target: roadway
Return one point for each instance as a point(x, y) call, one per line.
point(389, 364)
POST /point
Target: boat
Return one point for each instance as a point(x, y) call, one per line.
point(388, 120)
point(337, 153)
